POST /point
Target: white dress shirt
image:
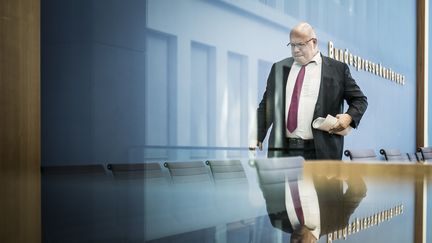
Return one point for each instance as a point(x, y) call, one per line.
point(309, 204)
point(308, 96)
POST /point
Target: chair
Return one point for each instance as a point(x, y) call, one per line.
point(140, 190)
point(361, 154)
point(230, 179)
point(418, 156)
point(272, 174)
point(426, 154)
point(192, 196)
point(412, 157)
point(227, 171)
point(394, 155)
point(150, 172)
point(188, 172)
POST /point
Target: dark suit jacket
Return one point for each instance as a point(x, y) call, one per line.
point(335, 206)
point(337, 85)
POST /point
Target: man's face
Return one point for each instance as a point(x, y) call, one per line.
point(303, 48)
point(309, 239)
point(303, 235)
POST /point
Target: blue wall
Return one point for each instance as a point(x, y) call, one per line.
point(93, 72)
point(120, 76)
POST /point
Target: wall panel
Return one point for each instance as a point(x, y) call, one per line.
point(20, 206)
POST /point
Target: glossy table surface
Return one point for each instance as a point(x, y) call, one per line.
point(372, 201)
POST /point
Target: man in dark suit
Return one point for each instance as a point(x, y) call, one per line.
point(333, 206)
point(300, 89)
point(307, 205)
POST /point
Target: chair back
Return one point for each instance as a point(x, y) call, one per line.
point(227, 171)
point(394, 155)
point(361, 154)
point(188, 172)
point(150, 172)
point(272, 174)
point(426, 154)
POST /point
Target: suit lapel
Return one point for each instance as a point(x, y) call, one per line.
point(326, 74)
point(286, 70)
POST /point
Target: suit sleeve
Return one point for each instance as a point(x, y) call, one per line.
point(354, 194)
point(266, 107)
point(357, 101)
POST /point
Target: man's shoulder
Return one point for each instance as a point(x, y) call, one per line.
point(332, 61)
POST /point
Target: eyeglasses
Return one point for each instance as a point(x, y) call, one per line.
point(299, 45)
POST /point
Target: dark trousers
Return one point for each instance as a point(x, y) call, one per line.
point(298, 147)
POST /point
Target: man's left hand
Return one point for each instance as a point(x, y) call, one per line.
point(344, 120)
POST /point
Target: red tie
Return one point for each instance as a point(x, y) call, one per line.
point(296, 201)
point(293, 109)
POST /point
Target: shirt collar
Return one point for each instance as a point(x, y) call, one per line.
point(315, 59)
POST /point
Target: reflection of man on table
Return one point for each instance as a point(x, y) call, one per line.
point(300, 89)
point(312, 207)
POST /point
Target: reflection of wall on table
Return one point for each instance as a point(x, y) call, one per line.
point(124, 75)
point(383, 195)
